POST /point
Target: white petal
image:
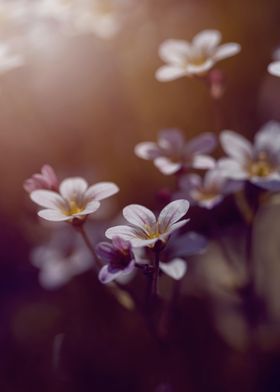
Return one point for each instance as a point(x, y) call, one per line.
point(147, 150)
point(177, 225)
point(73, 188)
point(174, 51)
point(207, 39)
point(171, 140)
point(203, 162)
point(274, 68)
point(201, 144)
point(268, 138)
point(48, 199)
point(90, 208)
point(139, 216)
point(176, 268)
point(236, 146)
point(101, 191)
point(201, 69)
point(232, 169)
point(172, 213)
point(214, 179)
point(166, 166)
point(53, 215)
point(190, 181)
point(105, 276)
point(125, 232)
point(227, 50)
point(210, 203)
point(167, 73)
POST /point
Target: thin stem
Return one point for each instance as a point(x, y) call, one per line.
point(80, 228)
point(155, 274)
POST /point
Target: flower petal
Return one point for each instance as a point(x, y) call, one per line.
point(201, 144)
point(147, 150)
point(53, 215)
point(207, 40)
point(105, 276)
point(167, 73)
point(274, 68)
point(171, 140)
point(139, 216)
point(193, 69)
point(236, 146)
point(105, 252)
point(174, 51)
point(190, 181)
point(166, 166)
point(125, 232)
point(227, 50)
point(172, 213)
point(177, 225)
point(101, 191)
point(73, 188)
point(232, 169)
point(48, 199)
point(268, 138)
point(176, 268)
point(203, 162)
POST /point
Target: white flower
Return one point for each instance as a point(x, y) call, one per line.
point(60, 260)
point(258, 162)
point(74, 199)
point(196, 58)
point(8, 59)
point(172, 153)
point(145, 229)
point(209, 191)
point(274, 68)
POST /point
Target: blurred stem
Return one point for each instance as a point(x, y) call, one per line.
point(80, 228)
point(155, 274)
point(244, 207)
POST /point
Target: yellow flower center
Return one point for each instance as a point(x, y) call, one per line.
point(260, 167)
point(74, 208)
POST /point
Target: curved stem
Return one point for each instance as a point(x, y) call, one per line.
point(155, 274)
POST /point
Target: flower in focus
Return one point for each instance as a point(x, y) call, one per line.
point(145, 229)
point(259, 162)
point(118, 257)
point(196, 58)
point(209, 191)
point(60, 260)
point(171, 153)
point(75, 199)
point(274, 68)
point(47, 179)
point(8, 59)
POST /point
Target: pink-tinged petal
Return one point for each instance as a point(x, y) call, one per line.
point(101, 191)
point(203, 162)
point(232, 169)
point(171, 140)
point(53, 215)
point(105, 276)
point(172, 213)
point(236, 146)
point(105, 252)
point(190, 181)
point(125, 232)
point(227, 50)
point(201, 69)
point(268, 138)
point(174, 51)
point(207, 40)
point(90, 208)
point(274, 68)
point(47, 199)
point(214, 179)
point(73, 188)
point(49, 174)
point(166, 166)
point(139, 216)
point(201, 144)
point(167, 73)
point(147, 150)
point(175, 269)
point(30, 185)
point(176, 226)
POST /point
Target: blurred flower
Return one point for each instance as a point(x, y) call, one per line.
point(171, 153)
point(119, 258)
point(74, 199)
point(274, 68)
point(47, 179)
point(101, 17)
point(8, 59)
point(258, 162)
point(195, 58)
point(145, 229)
point(60, 260)
point(209, 191)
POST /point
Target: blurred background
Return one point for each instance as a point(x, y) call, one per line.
point(81, 102)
